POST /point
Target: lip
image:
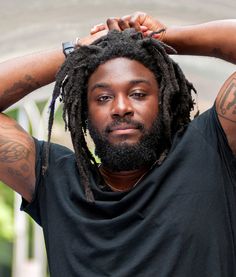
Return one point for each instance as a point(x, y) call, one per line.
point(127, 131)
point(122, 128)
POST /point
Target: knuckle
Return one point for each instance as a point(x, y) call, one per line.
point(132, 23)
point(121, 21)
point(126, 17)
point(109, 20)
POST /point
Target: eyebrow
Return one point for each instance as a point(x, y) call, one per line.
point(100, 85)
point(132, 82)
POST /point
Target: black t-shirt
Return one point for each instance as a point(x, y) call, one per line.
point(180, 221)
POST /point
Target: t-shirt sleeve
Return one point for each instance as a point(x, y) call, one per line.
point(48, 187)
point(211, 129)
point(224, 147)
point(33, 208)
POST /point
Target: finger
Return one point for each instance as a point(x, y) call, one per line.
point(123, 24)
point(135, 24)
point(112, 24)
point(143, 29)
point(126, 17)
point(100, 34)
point(91, 38)
point(98, 28)
point(137, 20)
point(155, 36)
point(148, 33)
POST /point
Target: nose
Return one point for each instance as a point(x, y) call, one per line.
point(122, 107)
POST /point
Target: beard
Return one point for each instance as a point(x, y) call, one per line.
point(124, 156)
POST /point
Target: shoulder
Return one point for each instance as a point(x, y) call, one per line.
point(54, 154)
point(54, 148)
point(226, 110)
point(205, 128)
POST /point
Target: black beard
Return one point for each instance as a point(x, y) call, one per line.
point(123, 156)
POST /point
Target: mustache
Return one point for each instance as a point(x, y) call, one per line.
point(120, 121)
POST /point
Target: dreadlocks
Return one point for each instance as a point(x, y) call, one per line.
point(175, 98)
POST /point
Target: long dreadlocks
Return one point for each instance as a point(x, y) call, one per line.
point(175, 98)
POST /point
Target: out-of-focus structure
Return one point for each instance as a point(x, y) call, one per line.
point(22, 265)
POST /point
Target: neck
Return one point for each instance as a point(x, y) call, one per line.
point(122, 180)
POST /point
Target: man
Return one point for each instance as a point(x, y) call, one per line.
point(162, 201)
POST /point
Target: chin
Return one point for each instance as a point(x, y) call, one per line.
point(124, 141)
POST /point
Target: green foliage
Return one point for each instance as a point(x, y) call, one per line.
point(41, 105)
point(5, 253)
point(6, 213)
point(58, 115)
point(12, 113)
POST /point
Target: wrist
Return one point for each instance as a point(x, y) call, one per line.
point(162, 33)
point(159, 31)
point(68, 47)
point(176, 38)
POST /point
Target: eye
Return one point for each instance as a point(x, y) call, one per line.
point(137, 94)
point(103, 98)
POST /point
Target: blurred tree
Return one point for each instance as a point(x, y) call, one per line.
point(6, 224)
point(6, 212)
point(6, 230)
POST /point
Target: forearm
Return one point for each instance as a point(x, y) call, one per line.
point(215, 39)
point(20, 76)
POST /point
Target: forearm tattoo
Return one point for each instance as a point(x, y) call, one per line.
point(218, 53)
point(17, 173)
point(12, 151)
point(28, 83)
point(227, 103)
point(14, 155)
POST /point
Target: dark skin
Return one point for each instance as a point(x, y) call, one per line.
point(214, 39)
point(122, 88)
point(23, 75)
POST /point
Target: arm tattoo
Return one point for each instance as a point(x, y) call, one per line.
point(15, 150)
point(217, 52)
point(17, 173)
point(12, 151)
point(27, 84)
point(227, 103)
point(11, 127)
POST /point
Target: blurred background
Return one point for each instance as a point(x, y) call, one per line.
point(28, 26)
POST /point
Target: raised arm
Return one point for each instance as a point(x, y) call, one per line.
point(19, 77)
point(214, 39)
point(22, 75)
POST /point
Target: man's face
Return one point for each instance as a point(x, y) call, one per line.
point(122, 105)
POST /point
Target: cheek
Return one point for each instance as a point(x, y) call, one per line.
point(150, 112)
point(98, 117)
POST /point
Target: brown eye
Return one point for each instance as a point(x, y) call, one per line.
point(103, 98)
point(138, 94)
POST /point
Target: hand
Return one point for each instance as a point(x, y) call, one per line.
point(91, 38)
point(139, 21)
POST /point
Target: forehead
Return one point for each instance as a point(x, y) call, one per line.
point(122, 69)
